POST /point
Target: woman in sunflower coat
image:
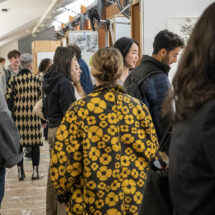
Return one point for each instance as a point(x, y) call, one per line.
point(103, 146)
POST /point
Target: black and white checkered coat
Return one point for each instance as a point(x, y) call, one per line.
point(23, 92)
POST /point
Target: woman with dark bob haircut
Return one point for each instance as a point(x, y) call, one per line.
point(129, 50)
point(58, 95)
point(105, 142)
point(192, 148)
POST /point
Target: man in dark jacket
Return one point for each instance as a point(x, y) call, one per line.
point(85, 80)
point(149, 81)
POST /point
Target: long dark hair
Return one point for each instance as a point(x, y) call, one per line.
point(62, 61)
point(44, 64)
point(194, 82)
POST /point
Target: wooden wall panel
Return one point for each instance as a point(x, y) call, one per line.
point(43, 46)
point(135, 25)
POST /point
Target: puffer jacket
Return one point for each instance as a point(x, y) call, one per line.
point(153, 90)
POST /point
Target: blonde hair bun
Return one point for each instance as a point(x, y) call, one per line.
point(107, 64)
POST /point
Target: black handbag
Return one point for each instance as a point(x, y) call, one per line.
point(156, 197)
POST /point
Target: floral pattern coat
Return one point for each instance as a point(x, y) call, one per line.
point(101, 153)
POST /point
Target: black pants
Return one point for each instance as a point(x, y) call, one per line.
point(35, 155)
point(45, 132)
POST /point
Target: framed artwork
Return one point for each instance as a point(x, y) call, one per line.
point(182, 26)
point(86, 40)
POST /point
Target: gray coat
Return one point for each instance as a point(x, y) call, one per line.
point(3, 79)
point(9, 137)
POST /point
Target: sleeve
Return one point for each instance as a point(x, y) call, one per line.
point(66, 156)
point(147, 133)
point(66, 96)
point(156, 91)
point(45, 103)
point(208, 136)
point(142, 134)
point(3, 82)
point(11, 94)
point(85, 79)
point(39, 87)
point(3, 104)
point(10, 146)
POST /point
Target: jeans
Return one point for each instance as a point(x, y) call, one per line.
point(2, 182)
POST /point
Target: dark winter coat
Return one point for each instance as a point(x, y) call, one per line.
point(192, 163)
point(9, 136)
point(85, 79)
point(153, 90)
point(58, 95)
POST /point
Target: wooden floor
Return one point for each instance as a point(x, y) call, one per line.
point(26, 197)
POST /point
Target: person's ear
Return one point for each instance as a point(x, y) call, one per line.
point(163, 52)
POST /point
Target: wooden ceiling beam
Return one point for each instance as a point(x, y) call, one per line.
point(113, 10)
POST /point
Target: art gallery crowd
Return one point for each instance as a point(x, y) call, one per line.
point(128, 142)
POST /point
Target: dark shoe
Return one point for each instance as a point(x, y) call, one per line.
point(36, 175)
point(28, 154)
point(21, 173)
point(46, 138)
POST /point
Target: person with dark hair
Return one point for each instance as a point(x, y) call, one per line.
point(85, 80)
point(103, 146)
point(128, 47)
point(58, 95)
point(192, 148)
point(43, 68)
point(23, 91)
point(149, 81)
point(44, 65)
point(2, 63)
point(13, 69)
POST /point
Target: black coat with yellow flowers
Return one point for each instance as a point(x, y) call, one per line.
point(102, 150)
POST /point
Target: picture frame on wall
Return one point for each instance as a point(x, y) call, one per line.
point(87, 40)
point(182, 26)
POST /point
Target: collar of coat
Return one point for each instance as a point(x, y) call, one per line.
point(24, 71)
point(154, 62)
point(108, 87)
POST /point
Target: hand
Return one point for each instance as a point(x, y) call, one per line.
point(44, 125)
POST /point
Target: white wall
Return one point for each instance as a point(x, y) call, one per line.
point(156, 13)
point(122, 30)
point(5, 49)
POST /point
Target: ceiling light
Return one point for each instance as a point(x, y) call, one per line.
point(5, 10)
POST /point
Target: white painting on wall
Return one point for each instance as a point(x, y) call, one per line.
point(87, 41)
point(43, 55)
point(182, 26)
